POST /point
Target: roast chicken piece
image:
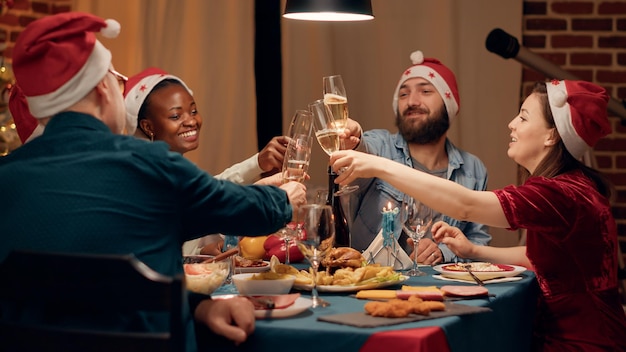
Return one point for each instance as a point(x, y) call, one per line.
point(343, 257)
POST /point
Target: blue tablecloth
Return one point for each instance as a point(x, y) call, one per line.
point(506, 328)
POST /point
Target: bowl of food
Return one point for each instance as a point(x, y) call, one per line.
point(203, 274)
point(265, 283)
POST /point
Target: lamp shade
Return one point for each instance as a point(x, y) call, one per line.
point(329, 10)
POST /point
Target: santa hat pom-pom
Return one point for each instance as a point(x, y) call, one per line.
point(112, 29)
point(417, 57)
point(559, 99)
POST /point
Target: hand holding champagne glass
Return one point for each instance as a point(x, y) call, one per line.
point(327, 134)
point(316, 240)
point(296, 162)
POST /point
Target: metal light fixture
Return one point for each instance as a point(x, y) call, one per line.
point(329, 10)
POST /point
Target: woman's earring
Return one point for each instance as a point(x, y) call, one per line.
point(151, 137)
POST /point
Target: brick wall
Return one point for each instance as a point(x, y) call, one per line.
point(23, 12)
point(13, 19)
point(588, 39)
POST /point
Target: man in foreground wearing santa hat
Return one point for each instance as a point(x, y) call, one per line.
point(425, 102)
point(83, 187)
point(563, 204)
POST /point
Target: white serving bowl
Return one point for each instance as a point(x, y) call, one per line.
point(248, 286)
point(205, 277)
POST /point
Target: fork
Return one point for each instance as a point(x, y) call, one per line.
point(469, 271)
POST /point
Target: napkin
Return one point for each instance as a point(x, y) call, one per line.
point(469, 280)
point(375, 253)
point(363, 320)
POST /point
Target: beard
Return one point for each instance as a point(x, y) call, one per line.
point(424, 131)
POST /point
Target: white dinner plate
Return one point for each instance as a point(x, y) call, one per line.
point(300, 305)
point(350, 288)
point(252, 269)
point(507, 271)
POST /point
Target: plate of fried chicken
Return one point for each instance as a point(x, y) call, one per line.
point(345, 269)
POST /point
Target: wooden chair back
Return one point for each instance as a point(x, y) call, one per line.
point(88, 282)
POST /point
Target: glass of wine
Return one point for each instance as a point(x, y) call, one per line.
point(298, 155)
point(327, 135)
point(336, 99)
point(416, 220)
point(297, 158)
point(316, 240)
point(296, 164)
point(301, 123)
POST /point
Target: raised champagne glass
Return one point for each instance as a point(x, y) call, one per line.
point(298, 155)
point(296, 164)
point(295, 168)
point(327, 134)
point(336, 99)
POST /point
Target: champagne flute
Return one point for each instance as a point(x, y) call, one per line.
point(301, 123)
point(316, 240)
point(336, 99)
point(296, 164)
point(416, 220)
point(326, 131)
point(298, 154)
point(297, 158)
point(327, 134)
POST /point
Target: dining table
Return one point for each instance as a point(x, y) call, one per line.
point(505, 326)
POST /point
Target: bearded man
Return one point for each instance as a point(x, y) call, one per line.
point(425, 102)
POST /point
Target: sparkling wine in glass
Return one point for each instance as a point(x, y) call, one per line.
point(297, 158)
point(327, 135)
point(417, 218)
point(316, 240)
point(336, 99)
point(296, 164)
point(298, 155)
point(325, 128)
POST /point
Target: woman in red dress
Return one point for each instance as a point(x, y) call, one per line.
point(563, 204)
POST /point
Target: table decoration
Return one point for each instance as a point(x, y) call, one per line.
point(384, 249)
point(389, 220)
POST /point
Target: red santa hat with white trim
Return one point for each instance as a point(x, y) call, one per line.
point(57, 60)
point(26, 124)
point(580, 114)
point(436, 73)
point(140, 86)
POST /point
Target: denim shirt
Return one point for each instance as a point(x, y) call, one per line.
point(367, 203)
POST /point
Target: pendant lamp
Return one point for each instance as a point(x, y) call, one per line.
point(329, 10)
